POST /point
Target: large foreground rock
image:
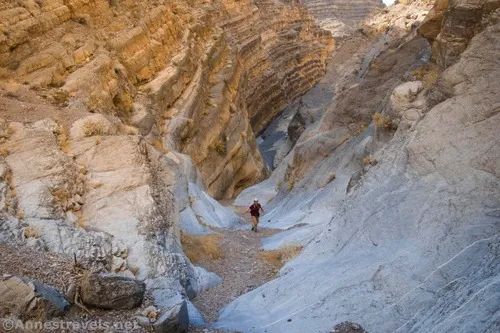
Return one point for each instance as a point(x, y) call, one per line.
point(174, 319)
point(112, 291)
point(31, 299)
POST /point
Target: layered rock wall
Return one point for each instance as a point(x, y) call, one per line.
point(206, 74)
point(350, 12)
point(451, 25)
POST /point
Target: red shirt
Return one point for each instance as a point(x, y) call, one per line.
point(254, 209)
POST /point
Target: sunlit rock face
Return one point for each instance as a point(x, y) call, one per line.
point(203, 75)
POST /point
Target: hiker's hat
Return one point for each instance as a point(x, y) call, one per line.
point(255, 200)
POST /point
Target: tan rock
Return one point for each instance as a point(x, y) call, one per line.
point(200, 58)
point(463, 21)
point(29, 298)
point(431, 26)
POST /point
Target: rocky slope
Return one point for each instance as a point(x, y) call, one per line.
point(394, 191)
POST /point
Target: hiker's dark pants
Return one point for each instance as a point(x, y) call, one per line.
point(255, 221)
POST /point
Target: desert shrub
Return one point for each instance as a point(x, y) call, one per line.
point(62, 139)
point(375, 64)
point(159, 145)
point(8, 200)
point(219, 146)
point(291, 182)
point(4, 151)
point(93, 127)
point(200, 248)
point(368, 160)
point(360, 129)
point(382, 121)
point(60, 96)
point(278, 258)
point(329, 179)
point(428, 74)
point(278, 185)
point(31, 232)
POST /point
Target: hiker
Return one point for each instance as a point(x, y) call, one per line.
point(254, 210)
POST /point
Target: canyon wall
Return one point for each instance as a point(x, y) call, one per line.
point(394, 192)
point(342, 17)
point(190, 72)
point(350, 12)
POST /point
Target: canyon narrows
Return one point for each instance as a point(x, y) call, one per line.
point(133, 134)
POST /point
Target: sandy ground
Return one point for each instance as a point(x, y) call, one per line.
point(242, 269)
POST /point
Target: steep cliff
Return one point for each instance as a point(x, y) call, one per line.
point(192, 72)
point(350, 12)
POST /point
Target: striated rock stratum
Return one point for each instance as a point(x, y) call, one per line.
point(341, 17)
point(202, 75)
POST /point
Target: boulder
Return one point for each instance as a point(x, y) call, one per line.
point(28, 298)
point(112, 291)
point(174, 320)
point(405, 97)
